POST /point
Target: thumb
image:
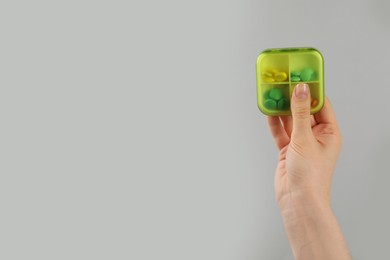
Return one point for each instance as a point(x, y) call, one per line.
point(300, 108)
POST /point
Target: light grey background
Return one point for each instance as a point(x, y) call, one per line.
point(129, 129)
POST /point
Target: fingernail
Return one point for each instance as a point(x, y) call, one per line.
point(301, 91)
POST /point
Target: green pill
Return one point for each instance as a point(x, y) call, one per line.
point(295, 79)
point(275, 94)
point(270, 104)
point(283, 104)
point(307, 74)
point(295, 73)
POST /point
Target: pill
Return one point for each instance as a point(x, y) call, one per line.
point(307, 74)
point(295, 73)
point(314, 102)
point(280, 76)
point(269, 79)
point(273, 71)
point(267, 74)
point(275, 94)
point(270, 104)
point(295, 79)
point(283, 104)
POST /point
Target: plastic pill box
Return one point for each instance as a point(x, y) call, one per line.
point(279, 70)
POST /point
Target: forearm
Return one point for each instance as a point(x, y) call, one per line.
point(312, 230)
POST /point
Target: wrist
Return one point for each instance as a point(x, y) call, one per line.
point(312, 228)
point(296, 205)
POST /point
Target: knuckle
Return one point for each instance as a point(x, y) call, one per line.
point(302, 112)
point(329, 129)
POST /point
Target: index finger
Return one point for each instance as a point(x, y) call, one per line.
point(278, 132)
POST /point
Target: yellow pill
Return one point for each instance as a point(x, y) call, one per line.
point(266, 79)
point(267, 74)
point(280, 76)
point(273, 71)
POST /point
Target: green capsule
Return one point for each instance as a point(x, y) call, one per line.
point(295, 79)
point(283, 104)
point(275, 94)
point(307, 74)
point(295, 73)
point(270, 104)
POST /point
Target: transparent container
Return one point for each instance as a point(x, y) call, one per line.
point(279, 70)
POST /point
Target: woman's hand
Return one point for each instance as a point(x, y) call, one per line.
point(309, 147)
